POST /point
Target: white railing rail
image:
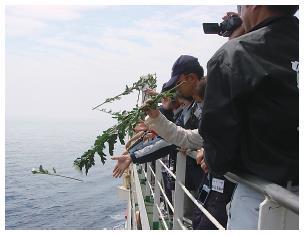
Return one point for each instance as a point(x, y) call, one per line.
point(274, 191)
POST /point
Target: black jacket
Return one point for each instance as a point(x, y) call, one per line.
point(250, 116)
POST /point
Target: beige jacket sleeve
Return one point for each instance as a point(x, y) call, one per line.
point(189, 139)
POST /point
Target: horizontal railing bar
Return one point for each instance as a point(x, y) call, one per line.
point(153, 173)
point(203, 210)
point(187, 220)
point(162, 217)
point(151, 190)
point(164, 195)
point(144, 172)
point(274, 191)
point(168, 170)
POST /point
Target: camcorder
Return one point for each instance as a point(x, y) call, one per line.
point(225, 28)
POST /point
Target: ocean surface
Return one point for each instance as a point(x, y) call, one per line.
point(50, 202)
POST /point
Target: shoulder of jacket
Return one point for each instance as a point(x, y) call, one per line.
point(225, 52)
point(238, 47)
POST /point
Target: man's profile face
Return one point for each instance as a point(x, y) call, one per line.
point(189, 83)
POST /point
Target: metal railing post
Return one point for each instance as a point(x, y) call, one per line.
point(275, 217)
point(158, 177)
point(133, 204)
point(179, 193)
point(140, 200)
point(148, 180)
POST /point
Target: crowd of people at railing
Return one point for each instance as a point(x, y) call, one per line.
point(242, 116)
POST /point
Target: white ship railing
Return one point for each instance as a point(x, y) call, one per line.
point(285, 203)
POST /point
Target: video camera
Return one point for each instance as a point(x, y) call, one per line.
point(225, 28)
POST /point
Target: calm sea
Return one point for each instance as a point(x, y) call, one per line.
point(49, 202)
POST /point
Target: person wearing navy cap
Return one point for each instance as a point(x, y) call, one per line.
point(185, 66)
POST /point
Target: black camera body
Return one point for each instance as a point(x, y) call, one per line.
point(225, 28)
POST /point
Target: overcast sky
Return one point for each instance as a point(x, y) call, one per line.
point(61, 61)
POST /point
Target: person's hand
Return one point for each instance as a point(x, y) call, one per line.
point(229, 14)
point(150, 92)
point(148, 137)
point(140, 127)
point(200, 160)
point(153, 113)
point(166, 103)
point(183, 151)
point(238, 31)
point(204, 166)
point(199, 156)
point(147, 108)
point(123, 163)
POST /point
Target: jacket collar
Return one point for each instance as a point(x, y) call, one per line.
point(272, 20)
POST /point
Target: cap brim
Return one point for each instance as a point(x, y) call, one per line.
point(171, 83)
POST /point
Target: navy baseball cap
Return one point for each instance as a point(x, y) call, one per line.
point(163, 88)
point(185, 64)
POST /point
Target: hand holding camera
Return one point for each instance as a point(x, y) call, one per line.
point(231, 23)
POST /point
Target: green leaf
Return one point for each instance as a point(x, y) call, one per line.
point(121, 135)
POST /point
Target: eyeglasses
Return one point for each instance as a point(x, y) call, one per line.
point(239, 9)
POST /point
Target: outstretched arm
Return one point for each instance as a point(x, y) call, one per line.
point(149, 153)
point(189, 139)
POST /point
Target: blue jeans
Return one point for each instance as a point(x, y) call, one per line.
point(244, 208)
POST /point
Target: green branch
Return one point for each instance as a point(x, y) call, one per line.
point(149, 80)
point(43, 171)
point(126, 121)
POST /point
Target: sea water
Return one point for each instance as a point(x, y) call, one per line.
point(49, 202)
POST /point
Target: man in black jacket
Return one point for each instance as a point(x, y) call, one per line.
point(250, 116)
